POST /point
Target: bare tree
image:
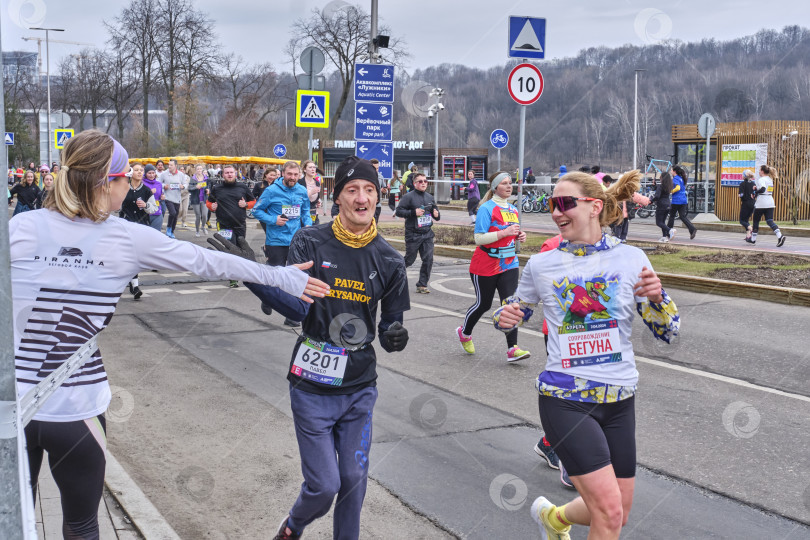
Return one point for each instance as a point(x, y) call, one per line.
point(343, 37)
point(122, 86)
point(167, 40)
point(198, 54)
point(133, 31)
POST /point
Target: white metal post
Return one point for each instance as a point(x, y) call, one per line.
point(437, 172)
point(706, 179)
point(635, 122)
point(16, 502)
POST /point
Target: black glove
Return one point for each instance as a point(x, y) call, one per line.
point(240, 249)
point(396, 336)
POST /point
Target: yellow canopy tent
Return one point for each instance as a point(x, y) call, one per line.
point(222, 160)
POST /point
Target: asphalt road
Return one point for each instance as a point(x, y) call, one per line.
point(200, 419)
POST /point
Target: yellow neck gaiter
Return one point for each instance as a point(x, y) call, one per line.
point(351, 239)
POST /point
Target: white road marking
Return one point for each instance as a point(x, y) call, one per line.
point(437, 285)
point(658, 363)
point(145, 290)
point(212, 286)
point(191, 291)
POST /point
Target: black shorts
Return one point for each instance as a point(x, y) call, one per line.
point(589, 436)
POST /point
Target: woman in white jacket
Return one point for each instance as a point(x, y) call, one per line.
point(70, 261)
point(764, 205)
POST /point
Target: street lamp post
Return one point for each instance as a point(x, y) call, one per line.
point(635, 123)
point(434, 111)
point(48, 76)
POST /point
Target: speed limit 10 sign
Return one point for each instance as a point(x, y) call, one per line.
point(525, 84)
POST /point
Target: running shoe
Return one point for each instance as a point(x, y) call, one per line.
point(233, 284)
point(664, 239)
point(466, 342)
point(282, 532)
point(564, 479)
point(545, 451)
point(541, 508)
point(750, 241)
point(692, 234)
point(197, 234)
point(291, 323)
point(266, 309)
point(423, 290)
point(205, 231)
point(514, 354)
point(137, 293)
point(672, 232)
point(781, 241)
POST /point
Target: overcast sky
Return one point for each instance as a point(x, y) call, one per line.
point(469, 32)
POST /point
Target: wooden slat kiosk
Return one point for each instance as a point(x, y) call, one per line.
point(783, 144)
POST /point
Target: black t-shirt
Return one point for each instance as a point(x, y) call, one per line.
point(129, 208)
point(229, 213)
point(360, 279)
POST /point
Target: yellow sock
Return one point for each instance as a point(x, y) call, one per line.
point(557, 519)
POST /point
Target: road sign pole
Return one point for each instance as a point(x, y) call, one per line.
point(499, 159)
point(706, 178)
point(311, 150)
point(520, 168)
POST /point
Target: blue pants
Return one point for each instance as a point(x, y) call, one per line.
point(334, 440)
point(156, 221)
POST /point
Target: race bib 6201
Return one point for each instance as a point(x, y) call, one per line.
point(320, 362)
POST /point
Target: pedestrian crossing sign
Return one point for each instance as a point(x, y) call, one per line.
point(61, 136)
point(312, 109)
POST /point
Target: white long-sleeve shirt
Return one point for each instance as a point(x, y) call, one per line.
point(67, 276)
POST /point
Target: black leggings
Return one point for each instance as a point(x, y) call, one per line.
point(173, 208)
point(681, 211)
point(768, 214)
point(485, 286)
point(661, 213)
point(77, 462)
point(590, 436)
point(745, 214)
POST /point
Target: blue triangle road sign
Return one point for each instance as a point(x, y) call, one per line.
point(527, 37)
point(10, 138)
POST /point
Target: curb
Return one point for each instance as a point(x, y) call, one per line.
point(145, 517)
point(727, 227)
point(766, 293)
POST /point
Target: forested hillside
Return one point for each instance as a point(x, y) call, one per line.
point(585, 114)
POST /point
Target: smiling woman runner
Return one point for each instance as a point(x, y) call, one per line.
point(69, 263)
point(590, 286)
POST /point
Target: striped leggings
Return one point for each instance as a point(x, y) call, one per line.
point(485, 286)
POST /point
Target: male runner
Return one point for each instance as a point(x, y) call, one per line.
point(283, 208)
point(419, 210)
point(333, 368)
point(230, 200)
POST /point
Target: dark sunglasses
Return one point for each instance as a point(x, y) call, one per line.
point(566, 203)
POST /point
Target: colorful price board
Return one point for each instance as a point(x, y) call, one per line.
point(738, 157)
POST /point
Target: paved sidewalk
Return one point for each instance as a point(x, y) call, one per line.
point(113, 522)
